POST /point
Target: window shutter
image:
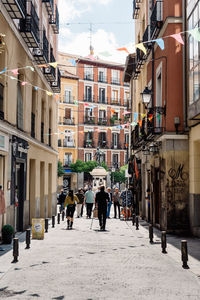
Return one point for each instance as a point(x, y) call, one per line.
point(67, 113)
point(19, 107)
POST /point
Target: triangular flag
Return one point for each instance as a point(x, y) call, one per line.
point(86, 104)
point(73, 61)
point(31, 68)
point(141, 47)
point(140, 123)
point(150, 117)
point(15, 71)
point(13, 78)
point(112, 111)
point(135, 116)
point(49, 93)
point(24, 83)
point(158, 117)
point(143, 115)
point(36, 88)
point(178, 37)
point(76, 102)
point(53, 64)
point(195, 33)
point(123, 49)
point(160, 43)
point(3, 71)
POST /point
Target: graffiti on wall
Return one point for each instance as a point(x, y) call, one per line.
point(178, 180)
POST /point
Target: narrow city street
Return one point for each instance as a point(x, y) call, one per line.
point(85, 263)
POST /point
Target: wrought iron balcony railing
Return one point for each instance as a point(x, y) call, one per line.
point(29, 28)
point(54, 21)
point(68, 144)
point(68, 162)
point(116, 146)
point(89, 144)
point(15, 8)
point(65, 121)
point(89, 98)
point(49, 6)
point(136, 8)
point(102, 121)
point(69, 99)
point(103, 100)
point(103, 144)
point(115, 81)
point(89, 120)
point(102, 79)
point(115, 101)
point(89, 77)
point(156, 19)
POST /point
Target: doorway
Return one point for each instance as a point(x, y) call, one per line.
point(20, 189)
point(157, 196)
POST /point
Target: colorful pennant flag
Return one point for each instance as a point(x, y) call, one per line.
point(178, 38)
point(15, 72)
point(31, 68)
point(126, 113)
point(160, 43)
point(24, 83)
point(49, 93)
point(36, 88)
point(73, 62)
point(53, 64)
point(135, 116)
point(13, 78)
point(3, 71)
point(141, 47)
point(195, 33)
point(150, 117)
point(112, 110)
point(140, 123)
point(123, 49)
point(143, 115)
point(86, 104)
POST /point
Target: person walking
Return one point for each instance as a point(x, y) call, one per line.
point(70, 202)
point(89, 200)
point(102, 199)
point(116, 200)
point(109, 202)
point(61, 200)
point(79, 206)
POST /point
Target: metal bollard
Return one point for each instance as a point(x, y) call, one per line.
point(133, 220)
point(58, 218)
point(63, 215)
point(164, 242)
point(151, 233)
point(53, 221)
point(184, 252)
point(46, 225)
point(28, 238)
point(15, 250)
point(137, 223)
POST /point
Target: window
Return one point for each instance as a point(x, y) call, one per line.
point(116, 115)
point(88, 156)
point(88, 72)
point(126, 139)
point(115, 160)
point(68, 96)
point(102, 95)
point(102, 75)
point(126, 98)
point(68, 113)
point(20, 118)
point(88, 112)
point(115, 96)
point(67, 159)
point(102, 138)
point(88, 136)
point(115, 140)
point(68, 140)
point(115, 76)
point(158, 95)
point(88, 93)
point(102, 114)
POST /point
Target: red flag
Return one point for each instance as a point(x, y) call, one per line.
point(136, 170)
point(123, 49)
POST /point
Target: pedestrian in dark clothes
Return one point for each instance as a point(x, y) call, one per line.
point(116, 200)
point(102, 199)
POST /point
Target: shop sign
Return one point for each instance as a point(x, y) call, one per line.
point(38, 229)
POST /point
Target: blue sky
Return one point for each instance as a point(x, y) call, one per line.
point(106, 37)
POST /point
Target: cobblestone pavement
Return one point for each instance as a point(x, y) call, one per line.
point(85, 263)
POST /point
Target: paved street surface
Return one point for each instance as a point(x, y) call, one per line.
point(85, 263)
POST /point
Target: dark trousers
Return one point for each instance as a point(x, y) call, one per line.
point(70, 211)
point(89, 209)
point(102, 212)
point(115, 209)
point(82, 210)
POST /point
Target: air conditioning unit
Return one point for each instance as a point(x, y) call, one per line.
point(47, 70)
point(54, 83)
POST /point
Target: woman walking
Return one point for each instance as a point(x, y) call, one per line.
point(70, 202)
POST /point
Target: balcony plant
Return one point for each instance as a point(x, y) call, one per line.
point(7, 234)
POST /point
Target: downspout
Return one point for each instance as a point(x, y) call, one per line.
point(153, 66)
point(185, 106)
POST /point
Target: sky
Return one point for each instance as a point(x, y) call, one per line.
point(106, 38)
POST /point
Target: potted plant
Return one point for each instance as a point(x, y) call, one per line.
point(7, 234)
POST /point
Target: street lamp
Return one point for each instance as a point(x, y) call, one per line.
point(146, 96)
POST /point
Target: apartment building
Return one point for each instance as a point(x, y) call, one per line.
point(159, 145)
point(28, 160)
point(103, 98)
point(192, 112)
point(68, 120)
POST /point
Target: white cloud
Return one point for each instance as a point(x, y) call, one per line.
point(102, 41)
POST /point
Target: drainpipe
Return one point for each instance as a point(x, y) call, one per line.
point(185, 106)
point(153, 66)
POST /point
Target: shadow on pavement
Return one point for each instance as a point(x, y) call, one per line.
point(175, 240)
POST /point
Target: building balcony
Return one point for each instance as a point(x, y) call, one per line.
point(156, 19)
point(115, 81)
point(115, 101)
point(102, 79)
point(65, 121)
point(69, 100)
point(55, 85)
point(49, 6)
point(136, 8)
point(15, 8)
point(117, 146)
point(102, 121)
point(89, 77)
point(89, 144)
point(89, 98)
point(29, 28)
point(102, 100)
point(103, 144)
point(68, 144)
point(89, 120)
point(42, 55)
point(54, 21)
point(68, 162)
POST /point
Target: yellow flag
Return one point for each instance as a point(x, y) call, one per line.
point(53, 64)
point(141, 47)
point(49, 93)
